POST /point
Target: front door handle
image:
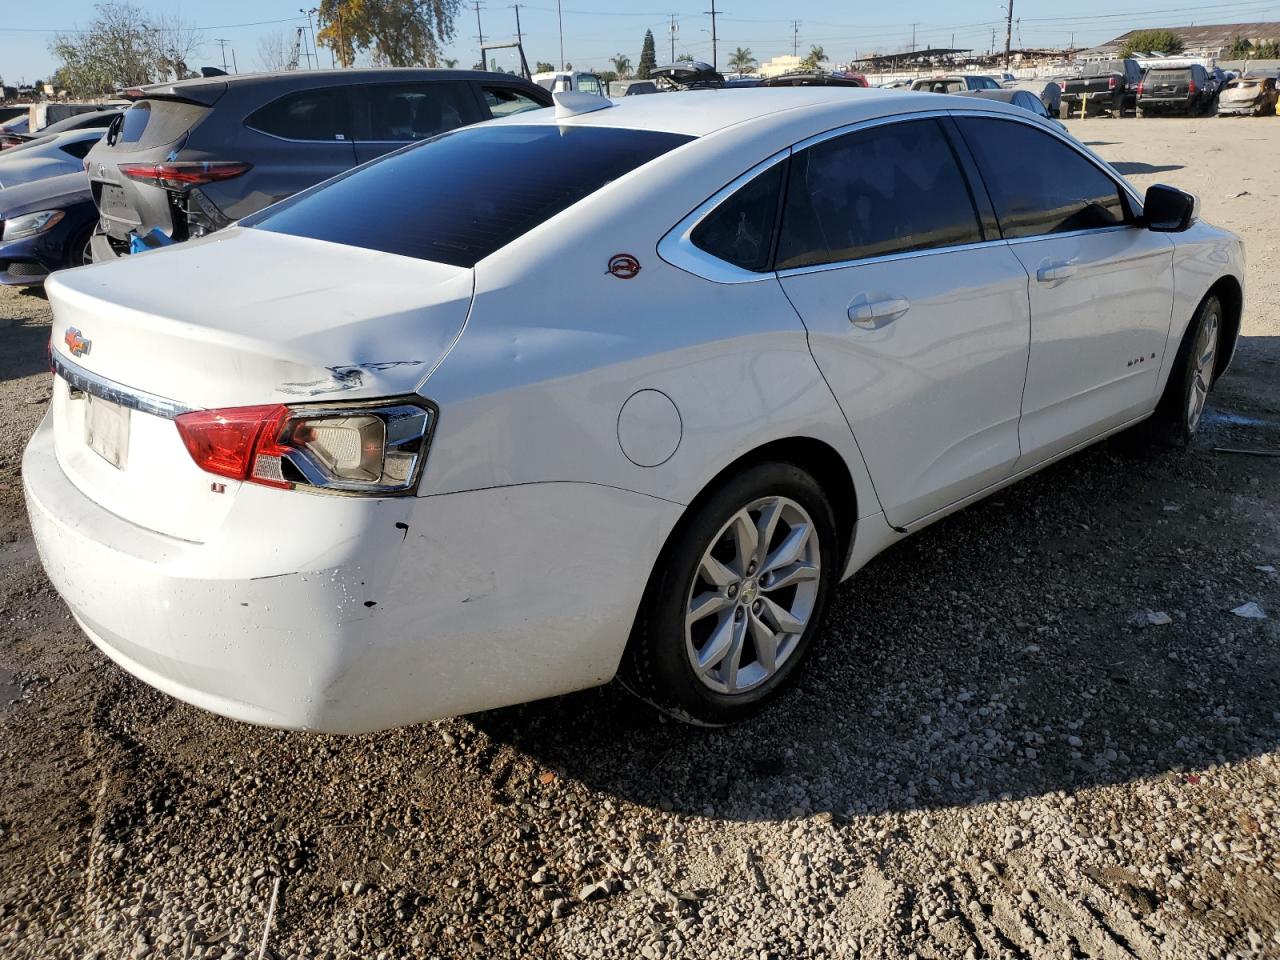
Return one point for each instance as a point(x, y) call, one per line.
point(1055, 270)
point(874, 314)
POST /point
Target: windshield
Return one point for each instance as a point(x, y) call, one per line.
point(460, 196)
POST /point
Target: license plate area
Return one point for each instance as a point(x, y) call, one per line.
point(106, 430)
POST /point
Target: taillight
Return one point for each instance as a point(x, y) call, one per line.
point(183, 174)
point(1111, 83)
point(1139, 89)
point(1191, 86)
point(350, 448)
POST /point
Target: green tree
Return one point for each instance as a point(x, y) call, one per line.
point(122, 47)
point(543, 67)
point(1152, 41)
point(621, 65)
point(1239, 49)
point(815, 57)
point(685, 57)
point(396, 33)
point(648, 58)
point(450, 62)
point(742, 61)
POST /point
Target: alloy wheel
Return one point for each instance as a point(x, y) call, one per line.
point(753, 595)
point(1204, 353)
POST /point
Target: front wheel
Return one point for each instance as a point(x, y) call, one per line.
point(1182, 407)
point(736, 601)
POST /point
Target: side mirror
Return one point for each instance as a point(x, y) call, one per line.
point(1168, 209)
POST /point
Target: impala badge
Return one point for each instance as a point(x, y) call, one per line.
point(77, 344)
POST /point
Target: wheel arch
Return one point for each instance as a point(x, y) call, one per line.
point(816, 457)
point(1231, 295)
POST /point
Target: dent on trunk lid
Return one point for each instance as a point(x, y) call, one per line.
point(247, 316)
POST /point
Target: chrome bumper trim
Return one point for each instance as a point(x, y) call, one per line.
point(78, 378)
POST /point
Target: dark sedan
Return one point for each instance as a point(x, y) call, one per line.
point(45, 226)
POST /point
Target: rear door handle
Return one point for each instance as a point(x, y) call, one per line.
point(874, 314)
point(1054, 271)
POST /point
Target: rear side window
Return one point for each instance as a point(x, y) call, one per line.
point(78, 150)
point(459, 197)
point(504, 101)
point(321, 114)
point(589, 83)
point(153, 123)
point(875, 192)
point(740, 230)
point(411, 111)
point(1038, 184)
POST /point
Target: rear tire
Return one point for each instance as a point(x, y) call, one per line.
point(736, 599)
point(79, 251)
point(1181, 409)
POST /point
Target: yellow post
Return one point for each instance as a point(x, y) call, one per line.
point(1084, 105)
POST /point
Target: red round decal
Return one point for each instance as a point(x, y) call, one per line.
point(624, 266)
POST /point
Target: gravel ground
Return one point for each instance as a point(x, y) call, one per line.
point(988, 756)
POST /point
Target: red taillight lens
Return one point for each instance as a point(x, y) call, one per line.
point(183, 174)
point(1191, 86)
point(1111, 83)
point(225, 442)
point(1139, 89)
point(354, 448)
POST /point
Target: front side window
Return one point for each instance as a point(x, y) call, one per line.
point(504, 101)
point(409, 111)
point(875, 192)
point(1038, 184)
point(321, 114)
point(740, 230)
point(459, 197)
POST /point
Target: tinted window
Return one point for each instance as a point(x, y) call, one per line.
point(150, 123)
point(1168, 76)
point(740, 230)
point(460, 197)
point(306, 115)
point(1038, 184)
point(411, 111)
point(78, 150)
point(504, 101)
point(885, 190)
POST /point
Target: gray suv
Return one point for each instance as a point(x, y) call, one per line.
point(190, 157)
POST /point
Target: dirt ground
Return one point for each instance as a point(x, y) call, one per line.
point(986, 757)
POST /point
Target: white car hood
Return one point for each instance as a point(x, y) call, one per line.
point(248, 316)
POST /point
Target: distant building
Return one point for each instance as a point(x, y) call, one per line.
point(1207, 41)
point(780, 65)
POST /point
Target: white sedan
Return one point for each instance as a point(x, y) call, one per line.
point(600, 389)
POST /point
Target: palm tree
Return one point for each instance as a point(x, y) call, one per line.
point(450, 62)
point(815, 57)
point(622, 65)
point(742, 61)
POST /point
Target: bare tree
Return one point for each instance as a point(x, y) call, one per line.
point(275, 51)
point(123, 48)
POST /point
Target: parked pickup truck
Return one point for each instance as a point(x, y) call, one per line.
point(1106, 86)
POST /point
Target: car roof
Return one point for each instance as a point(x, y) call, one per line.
point(701, 112)
point(1004, 96)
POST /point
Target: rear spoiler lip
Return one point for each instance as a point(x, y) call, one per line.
point(202, 94)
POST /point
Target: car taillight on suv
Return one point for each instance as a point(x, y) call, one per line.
point(184, 174)
point(1111, 83)
point(1191, 86)
point(1140, 85)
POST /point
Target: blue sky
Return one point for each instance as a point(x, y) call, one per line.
point(594, 30)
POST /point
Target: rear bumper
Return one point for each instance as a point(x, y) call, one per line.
point(348, 615)
point(1233, 107)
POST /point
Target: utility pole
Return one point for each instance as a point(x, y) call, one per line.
point(1008, 35)
point(314, 56)
point(795, 38)
point(234, 68)
point(519, 35)
point(913, 37)
point(480, 36)
point(712, 11)
point(560, 20)
point(222, 44)
point(674, 29)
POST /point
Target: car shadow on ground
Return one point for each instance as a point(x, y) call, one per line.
point(1134, 168)
point(26, 342)
point(993, 655)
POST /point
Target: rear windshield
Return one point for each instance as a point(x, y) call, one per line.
point(1168, 76)
point(153, 123)
point(460, 196)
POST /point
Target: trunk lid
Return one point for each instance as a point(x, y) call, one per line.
point(243, 317)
